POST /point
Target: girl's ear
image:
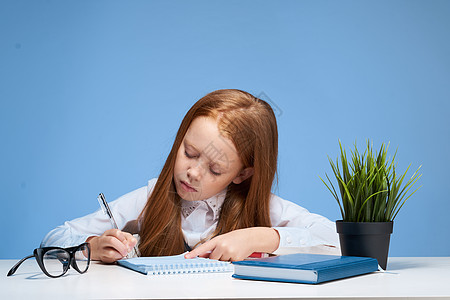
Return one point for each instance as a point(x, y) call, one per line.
point(243, 175)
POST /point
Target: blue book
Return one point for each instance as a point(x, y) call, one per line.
point(304, 268)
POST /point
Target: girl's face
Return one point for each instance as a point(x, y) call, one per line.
point(206, 162)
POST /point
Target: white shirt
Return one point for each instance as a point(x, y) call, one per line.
point(296, 226)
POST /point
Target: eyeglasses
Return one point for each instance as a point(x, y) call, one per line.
point(55, 261)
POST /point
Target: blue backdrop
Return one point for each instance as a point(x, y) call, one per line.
point(92, 93)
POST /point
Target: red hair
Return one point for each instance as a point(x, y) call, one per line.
point(251, 125)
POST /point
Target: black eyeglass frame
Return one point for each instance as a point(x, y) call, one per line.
point(39, 253)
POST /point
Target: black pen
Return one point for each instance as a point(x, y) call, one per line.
point(105, 207)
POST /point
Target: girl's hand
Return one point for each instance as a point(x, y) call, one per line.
point(238, 244)
point(112, 245)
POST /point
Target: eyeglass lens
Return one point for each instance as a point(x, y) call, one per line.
point(81, 258)
point(56, 261)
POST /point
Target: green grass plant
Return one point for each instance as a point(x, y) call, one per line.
point(370, 189)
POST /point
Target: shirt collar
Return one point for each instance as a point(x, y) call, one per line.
point(214, 203)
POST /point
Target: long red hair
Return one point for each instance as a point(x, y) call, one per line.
point(251, 125)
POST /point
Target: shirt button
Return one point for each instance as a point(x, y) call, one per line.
point(288, 240)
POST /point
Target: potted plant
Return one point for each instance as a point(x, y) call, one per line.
point(370, 197)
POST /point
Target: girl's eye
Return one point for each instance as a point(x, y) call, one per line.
point(211, 170)
point(188, 155)
point(214, 173)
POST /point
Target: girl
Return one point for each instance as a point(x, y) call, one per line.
point(213, 196)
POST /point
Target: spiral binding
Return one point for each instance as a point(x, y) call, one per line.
point(190, 268)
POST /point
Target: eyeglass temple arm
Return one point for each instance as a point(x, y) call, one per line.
point(16, 266)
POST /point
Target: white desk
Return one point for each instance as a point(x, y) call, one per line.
point(423, 277)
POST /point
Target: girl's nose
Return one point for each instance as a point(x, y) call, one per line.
point(195, 172)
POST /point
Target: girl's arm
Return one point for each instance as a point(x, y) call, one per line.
point(97, 225)
point(238, 244)
point(298, 227)
point(293, 227)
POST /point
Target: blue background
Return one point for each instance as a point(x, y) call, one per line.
point(92, 93)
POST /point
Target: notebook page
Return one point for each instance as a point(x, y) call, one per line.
point(176, 264)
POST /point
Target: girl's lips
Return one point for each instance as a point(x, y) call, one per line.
point(187, 187)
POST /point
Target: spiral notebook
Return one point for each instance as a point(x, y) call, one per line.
point(176, 264)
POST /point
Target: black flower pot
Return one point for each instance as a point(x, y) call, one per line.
point(368, 239)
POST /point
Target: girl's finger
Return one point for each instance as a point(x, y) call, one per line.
point(201, 250)
point(217, 255)
point(114, 243)
point(130, 240)
point(205, 255)
point(120, 235)
point(110, 255)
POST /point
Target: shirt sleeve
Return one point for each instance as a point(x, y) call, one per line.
point(298, 227)
point(124, 209)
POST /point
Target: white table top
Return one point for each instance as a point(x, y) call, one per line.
point(407, 277)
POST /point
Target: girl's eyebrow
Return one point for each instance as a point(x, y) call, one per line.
point(187, 144)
